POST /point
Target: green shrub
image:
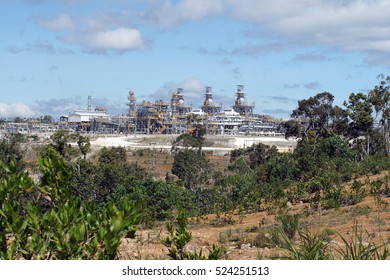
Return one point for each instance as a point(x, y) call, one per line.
point(54, 224)
point(357, 248)
point(179, 236)
point(289, 224)
point(310, 247)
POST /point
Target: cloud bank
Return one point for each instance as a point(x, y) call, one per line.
point(348, 25)
point(15, 110)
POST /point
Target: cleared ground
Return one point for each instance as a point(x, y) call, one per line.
point(217, 144)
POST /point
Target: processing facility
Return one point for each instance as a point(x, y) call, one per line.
point(175, 117)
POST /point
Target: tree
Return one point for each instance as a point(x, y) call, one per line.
point(292, 128)
point(316, 157)
point(47, 119)
point(113, 155)
point(84, 145)
point(315, 110)
point(98, 181)
point(260, 153)
point(360, 114)
point(193, 139)
point(191, 167)
point(156, 199)
point(380, 99)
point(60, 142)
point(84, 182)
point(10, 149)
point(257, 153)
point(316, 117)
point(18, 120)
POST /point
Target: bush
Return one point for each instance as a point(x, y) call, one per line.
point(356, 248)
point(356, 194)
point(56, 225)
point(310, 247)
point(157, 199)
point(179, 236)
point(289, 224)
point(191, 167)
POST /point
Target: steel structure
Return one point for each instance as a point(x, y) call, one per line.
point(176, 117)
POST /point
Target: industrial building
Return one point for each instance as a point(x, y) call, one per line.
point(176, 117)
point(164, 117)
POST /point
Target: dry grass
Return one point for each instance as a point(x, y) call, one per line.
point(241, 237)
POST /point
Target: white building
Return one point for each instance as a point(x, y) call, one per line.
point(84, 116)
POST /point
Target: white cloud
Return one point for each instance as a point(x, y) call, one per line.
point(98, 32)
point(197, 9)
point(62, 22)
point(193, 88)
point(106, 20)
point(169, 14)
point(120, 39)
point(351, 25)
point(360, 25)
point(15, 110)
point(193, 91)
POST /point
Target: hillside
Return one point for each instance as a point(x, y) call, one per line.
point(249, 236)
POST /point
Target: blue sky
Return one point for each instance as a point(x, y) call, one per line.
point(56, 53)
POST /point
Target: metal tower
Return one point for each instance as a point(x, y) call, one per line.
point(240, 105)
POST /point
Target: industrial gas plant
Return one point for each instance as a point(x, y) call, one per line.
point(169, 117)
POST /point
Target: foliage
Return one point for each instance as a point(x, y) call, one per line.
point(356, 248)
point(112, 155)
point(11, 150)
point(257, 153)
point(292, 128)
point(284, 166)
point(310, 247)
point(316, 116)
point(357, 193)
point(179, 236)
point(239, 166)
point(68, 228)
point(289, 224)
point(157, 199)
point(241, 190)
point(60, 142)
point(319, 247)
point(194, 139)
point(191, 167)
point(360, 113)
point(84, 145)
point(97, 181)
point(379, 97)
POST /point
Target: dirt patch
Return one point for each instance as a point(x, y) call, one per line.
point(239, 234)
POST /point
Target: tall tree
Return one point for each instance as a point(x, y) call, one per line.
point(194, 139)
point(47, 119)
point(84, 145)
point(359, 110)
point(380, 99)
point(316, 116)
point(60, 140)
point(191, 167)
